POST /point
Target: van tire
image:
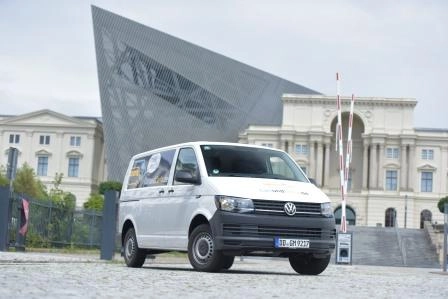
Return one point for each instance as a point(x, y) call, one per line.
point(308, 264)
point(202, 251)
point(133, 256)
point(227, 262)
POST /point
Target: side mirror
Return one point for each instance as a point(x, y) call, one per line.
point(185, 176)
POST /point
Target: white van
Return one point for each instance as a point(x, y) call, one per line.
point(221, 200)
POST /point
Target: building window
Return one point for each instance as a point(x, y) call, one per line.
point(426, 183)
point(427, 154)
point(75, 141)
point(349, 181)
point(268, 145)
point(301, 149)
point(392, 152)
point(44, 139)
point(73, 167)
point(390, 219)
point(391, 180)
point(14, 138)
point(42, 166)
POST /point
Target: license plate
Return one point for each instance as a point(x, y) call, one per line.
point(291, 243)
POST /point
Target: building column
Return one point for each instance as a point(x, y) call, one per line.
point(327, 165)
point(373, 167)
point(404, 169)
point(365, 165)
point(319, 164)
point(312, 162)
point(380, 168)
point(411, 169)
point(444, 170)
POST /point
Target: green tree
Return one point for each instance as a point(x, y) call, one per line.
point(57, 182)
point(441, 204)
point(3, 179)
point(110, 185)
point(94, 202)
point(27, 183)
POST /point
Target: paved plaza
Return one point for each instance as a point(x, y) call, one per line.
point(39, 275)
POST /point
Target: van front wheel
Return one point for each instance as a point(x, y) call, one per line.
point(202, 251)
point(308, 264)
point(133, 256)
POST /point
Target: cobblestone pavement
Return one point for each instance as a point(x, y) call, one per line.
point(37, 275)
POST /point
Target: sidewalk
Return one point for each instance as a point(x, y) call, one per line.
point(60, 275)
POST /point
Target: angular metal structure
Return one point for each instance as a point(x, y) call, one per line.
point(158, 90)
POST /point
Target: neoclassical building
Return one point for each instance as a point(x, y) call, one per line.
point(52, 143)
point(398, 173)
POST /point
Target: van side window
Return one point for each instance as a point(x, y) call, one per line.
point(152, 170)
point(187, 161)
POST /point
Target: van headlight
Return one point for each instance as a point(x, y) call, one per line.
point(326, 210)
point(234, 204)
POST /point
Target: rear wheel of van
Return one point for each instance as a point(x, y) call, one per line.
point(133, 256)
point(308, 264)
point(202, 251)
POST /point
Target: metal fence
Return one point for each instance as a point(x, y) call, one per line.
point(50, 225)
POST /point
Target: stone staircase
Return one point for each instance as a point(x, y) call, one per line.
point(392, 247)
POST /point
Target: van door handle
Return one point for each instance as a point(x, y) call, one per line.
point(171, 191)
point(161, 191)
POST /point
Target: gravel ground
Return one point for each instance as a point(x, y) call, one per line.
point(38, 275)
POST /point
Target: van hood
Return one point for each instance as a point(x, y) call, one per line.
point(268, 189)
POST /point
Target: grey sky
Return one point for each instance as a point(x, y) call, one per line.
point(381, 48)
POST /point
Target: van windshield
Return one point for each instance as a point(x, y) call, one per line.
point(239, 161)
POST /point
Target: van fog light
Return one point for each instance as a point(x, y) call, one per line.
point(234, 204)
point(326, 210)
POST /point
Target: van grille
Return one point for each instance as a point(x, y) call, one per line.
point(276, 231)
point(271, 207)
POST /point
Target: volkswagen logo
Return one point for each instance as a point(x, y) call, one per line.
point(290, 208)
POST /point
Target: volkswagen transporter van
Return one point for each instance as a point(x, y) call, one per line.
point(221, 200)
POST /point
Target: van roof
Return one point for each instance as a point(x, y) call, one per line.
point(199, 143)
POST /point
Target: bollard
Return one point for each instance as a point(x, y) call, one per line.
point(5, 207)
point(109, 225)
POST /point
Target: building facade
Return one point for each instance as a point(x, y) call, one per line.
point(51, 143)
point(398, 173)
point(158, 90)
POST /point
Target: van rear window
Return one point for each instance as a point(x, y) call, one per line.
point(152, 170)
point(239, 161)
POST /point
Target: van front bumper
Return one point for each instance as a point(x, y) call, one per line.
point(254, 234)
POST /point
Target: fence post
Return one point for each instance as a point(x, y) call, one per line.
point(109, 225)
point(445, 233)
point(5, 207)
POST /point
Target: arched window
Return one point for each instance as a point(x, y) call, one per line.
point(350, 214)
point(425, 215)
point(390, 218)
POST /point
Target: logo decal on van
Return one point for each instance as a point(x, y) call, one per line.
point(273, 190)
point(290, 208)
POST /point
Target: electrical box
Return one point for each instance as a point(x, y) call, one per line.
point(344, 248)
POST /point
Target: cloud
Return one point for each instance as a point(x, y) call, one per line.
point(382, 48)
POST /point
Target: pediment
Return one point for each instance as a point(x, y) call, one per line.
point(74, 154)
point(392, 165)
point(43, 152)
point(44, 118)
point(427, 167)
point(7, 151)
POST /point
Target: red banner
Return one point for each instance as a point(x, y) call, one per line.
point(25, 215)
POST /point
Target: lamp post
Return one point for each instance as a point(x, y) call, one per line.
point(405, 210)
